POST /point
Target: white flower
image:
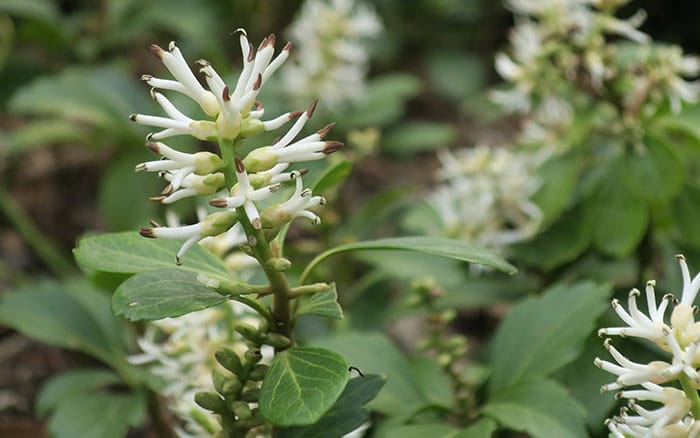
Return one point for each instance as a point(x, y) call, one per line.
point(180, 164)
point(212, 225)
point(678, 335)
point(234, 112)
point(331, 62)
point(297, 205)
point(485, 195)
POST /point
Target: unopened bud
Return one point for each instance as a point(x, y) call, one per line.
point(241, 410)
point(253, 356)
point(258, 373)
point(277, 340)
point(210, 401)
point(249, 332)
point(229, 360)
point(251, 395)
point(278, 264)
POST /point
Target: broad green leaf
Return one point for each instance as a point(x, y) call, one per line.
point(686, 212)
point(542, 334)
point(540, 407)
point(72, 383)
point(422, 431)
point(71, 315)
point(41, 133)
point(414, 137)
point(323, 304)
point(81, 405)
point(130, 253)
point(559, 176)
point(40, 9)
point(618, 215)
point(451, 249)
point(332, 177)
point(456, 75)
point(373, 352)
point(483, 428)
point(655, 172)
point(687, 122)
point(162, 293)
point(302, 384)
point(560, 244)
point(346, 415)
point(579, 377)
point(383, 101)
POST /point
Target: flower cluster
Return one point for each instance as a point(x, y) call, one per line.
point(670, 410)
point(236, 185)
point(485, 195)
point(332, 61)
point(561, 56)
point(181, 351)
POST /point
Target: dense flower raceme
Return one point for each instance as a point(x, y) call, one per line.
point(485, 195)
point(657, 409)
point(332, 60)
point(233, 114)
point(181, 352)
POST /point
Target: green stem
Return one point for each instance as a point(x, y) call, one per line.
point(227, 148)
point(254, 304)
point(44, 248)
point(692, 395)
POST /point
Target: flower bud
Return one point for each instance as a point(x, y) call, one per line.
point(250, 127)
point(217, 223)
point(260, 159)
point(251, 395)
point(253, 356)
point(278, 264)
point(229, 360)
point(241, 410)
point(258, 373)
point(210, 401)
point(249, 332)
point(277, 340)
point(206, 163)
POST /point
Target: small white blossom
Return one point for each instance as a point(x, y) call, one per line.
point(679, 335)
point(297, 205)
point(180, 164)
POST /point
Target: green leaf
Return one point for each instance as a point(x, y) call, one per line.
point(559, 176)
point(346, 415)
point(539, 407)
point(37, 134)
point(323, 304)
point(618, 216)
point(45, 10)
point(655, 172)
point(414, 137)
point(451, 249)
point(383, 101)
point(129, 253)
point(162, 293)
point(302, 384)
point(483, 428)
point(423, 430)
point(456, 75)
point(81, 405)
point(405, 391)
point(687, 122)
point(542, 334)
point(72, 383)
point(686, 212)
point(71, 315)
point(561, 243)
point(332, 176)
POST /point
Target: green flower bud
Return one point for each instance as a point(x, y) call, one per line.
point(277, 340)
point(253, 356)
point(217, 223)
point(258, 373)
point(206, 163)
point(229, 360)
point(275, 216)
point(251, 127)
point(218, 378)
point(278, 264)
point(260, 159)
point(241, 410)
point(249, 332)
point(251, 395)
point(210, 401)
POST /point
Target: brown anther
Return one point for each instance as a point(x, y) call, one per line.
point(325, 130)
point(132, 117)
point(155, 48)
point(294, 114)
point(153, 147)
point(303, 172)
point(263, 44)
point(240, 168)
point(218, 203)
point(257, 105)
point(312, 108)
point(251, 53)
point(258, 82)
point(147, 232)
point(225, 94)
point(271, 40)
point(287, 47)
point(332, 146)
